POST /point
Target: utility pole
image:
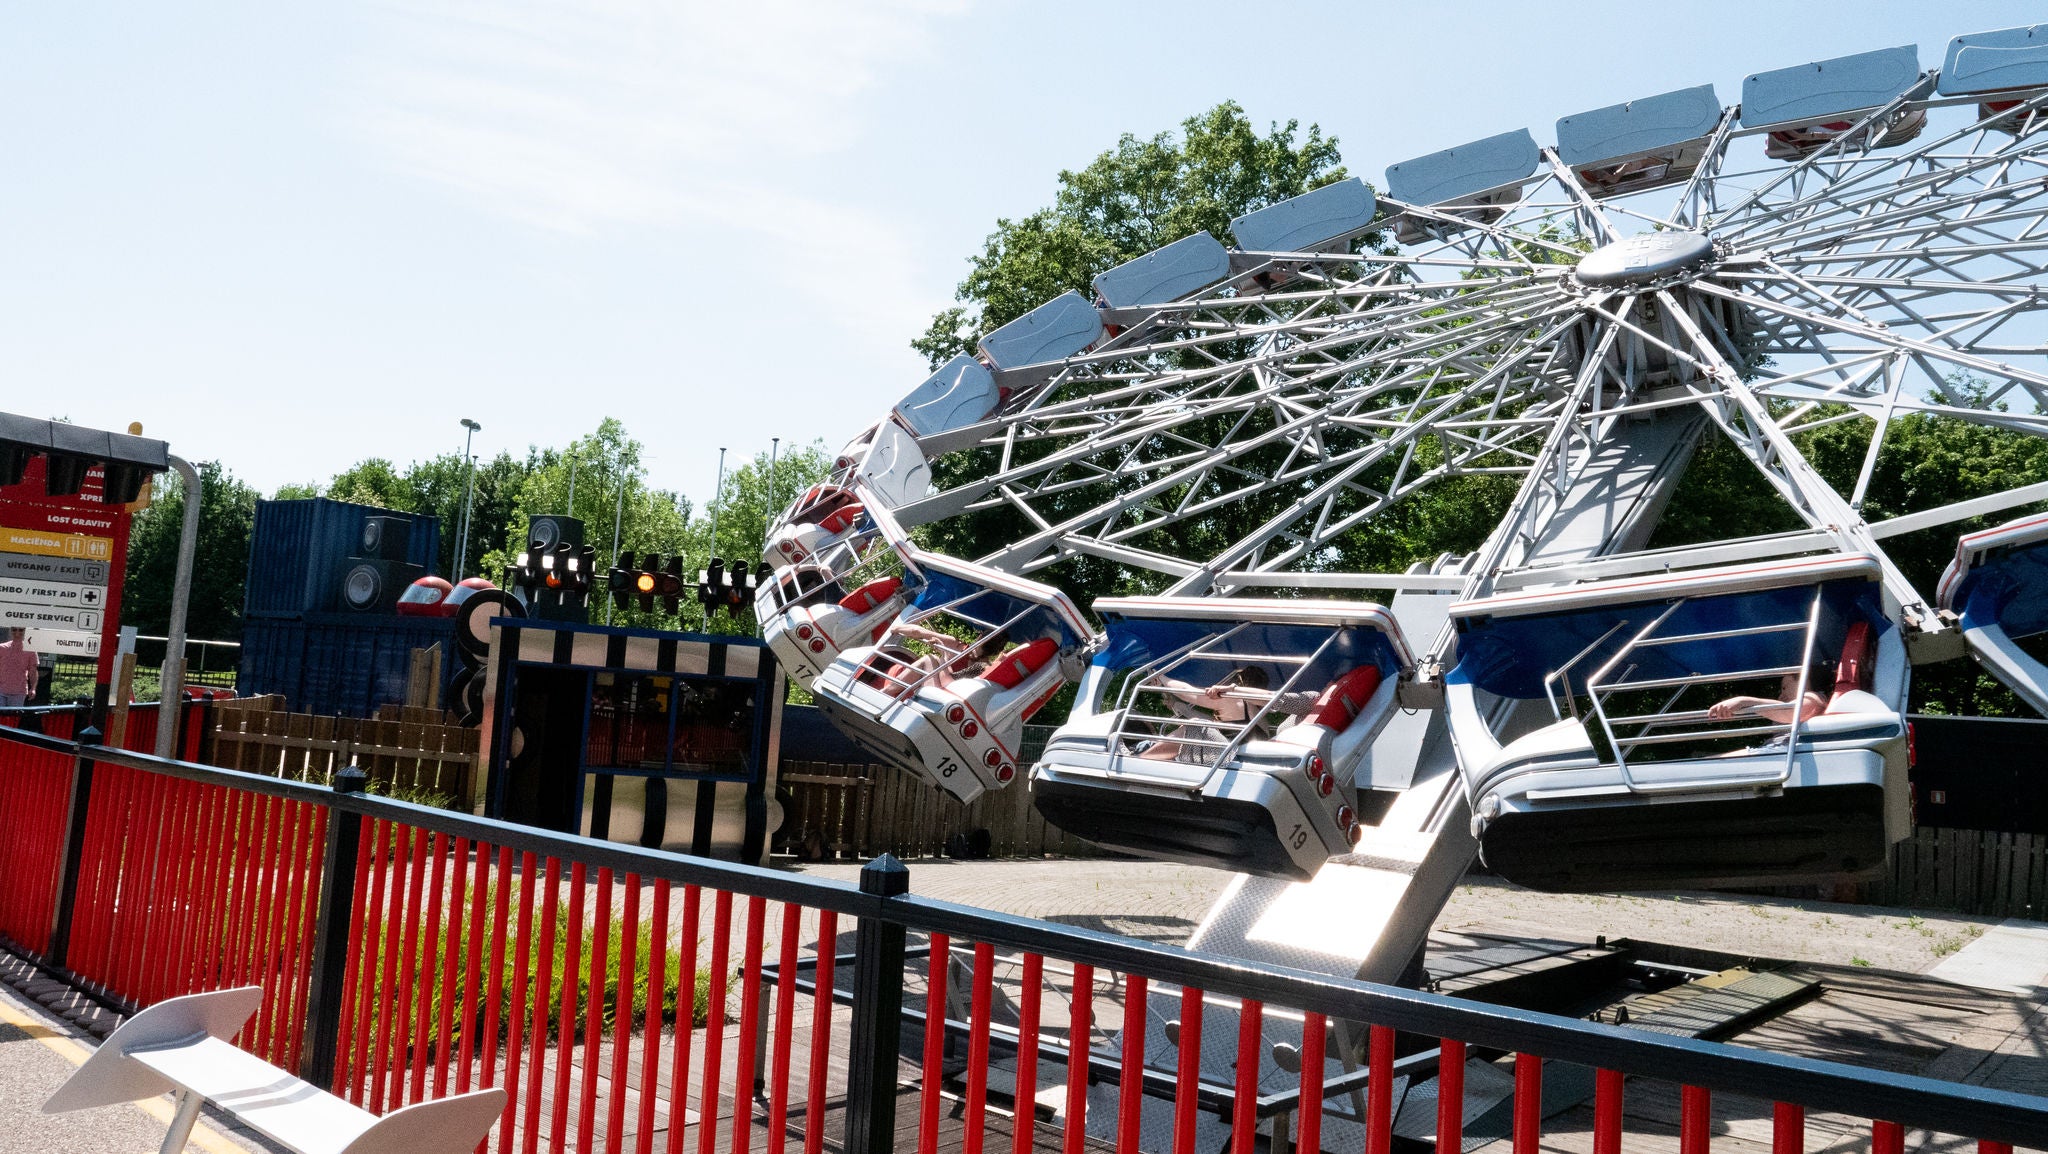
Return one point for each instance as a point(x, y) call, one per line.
point(468, 496)
point(774, 506)
point(714, 522)
point(618, 516)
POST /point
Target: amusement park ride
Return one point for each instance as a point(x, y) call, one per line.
point(1835, 248)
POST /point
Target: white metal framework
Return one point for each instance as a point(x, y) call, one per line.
point(1859, 240)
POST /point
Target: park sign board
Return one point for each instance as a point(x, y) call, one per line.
point(62, 561)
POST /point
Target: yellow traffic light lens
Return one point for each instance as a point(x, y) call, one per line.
point(644, 583)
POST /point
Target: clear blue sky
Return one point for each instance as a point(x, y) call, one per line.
point(291, 236)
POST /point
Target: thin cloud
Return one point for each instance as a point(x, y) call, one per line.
point(577, 116)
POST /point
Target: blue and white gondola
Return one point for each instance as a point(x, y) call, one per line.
point(1997, 587)
point(1275, 798)
point(1621, 795)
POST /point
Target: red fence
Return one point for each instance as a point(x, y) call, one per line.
point(630, 1000)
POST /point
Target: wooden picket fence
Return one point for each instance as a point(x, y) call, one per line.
point(404, 749)
point(843, 810)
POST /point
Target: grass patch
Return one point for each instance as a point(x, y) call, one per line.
point(428, 973)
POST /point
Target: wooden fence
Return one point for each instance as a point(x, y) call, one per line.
point(864, 810)
point(404, 750)
point(1973, 871)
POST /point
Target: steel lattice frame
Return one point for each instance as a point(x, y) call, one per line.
point(1854, 282)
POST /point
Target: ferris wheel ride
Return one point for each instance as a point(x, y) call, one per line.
point(1232, 436)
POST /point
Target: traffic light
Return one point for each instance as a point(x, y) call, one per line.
point(711, 585)
point(646, 581)
point(672, 585)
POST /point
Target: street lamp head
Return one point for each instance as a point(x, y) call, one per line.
point(472, 426)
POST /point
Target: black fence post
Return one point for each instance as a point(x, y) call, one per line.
point(74, 848)
point(876, 1038)
point(330, 934)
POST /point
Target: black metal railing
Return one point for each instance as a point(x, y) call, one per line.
point(343, 845)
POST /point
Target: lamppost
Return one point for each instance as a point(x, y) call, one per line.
point(468, 494)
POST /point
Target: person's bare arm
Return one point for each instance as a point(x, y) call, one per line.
point(1767, 708)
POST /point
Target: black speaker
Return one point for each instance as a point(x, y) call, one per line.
point(549, 531)
point(385, 538)
point(374, 586)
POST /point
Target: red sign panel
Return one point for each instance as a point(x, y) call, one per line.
point(62, 561)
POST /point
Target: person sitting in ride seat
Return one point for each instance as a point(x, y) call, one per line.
point(955, 659)
point(1232, 701)
point(1779, 708)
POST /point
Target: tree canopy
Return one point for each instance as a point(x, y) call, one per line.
point(220, 560)
point(1140, 195)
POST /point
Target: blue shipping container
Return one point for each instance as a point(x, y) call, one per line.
point(336, 663)
point(296, 550)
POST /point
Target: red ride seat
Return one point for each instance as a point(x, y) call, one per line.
point(1338, 706)
point(870, 596)
point(840, 520)
point(1021, 662)
point(1855, 670)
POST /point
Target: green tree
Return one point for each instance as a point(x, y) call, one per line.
point(220, 569)
point(1140, 195)
point(653, 520)
point(753, 495)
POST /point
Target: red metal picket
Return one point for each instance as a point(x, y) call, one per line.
point(516, 1015)
point(1528, 1104)
point(543, 982)
point(1788, 1127)
point(1450, 1096)
point(650, 1042)
point(1379, 1090)
point(1244, 1117)
point(714, 1025)
point(1131, 1090)
point(686, 1001)
point(472, 962)
point(1026, 1099)
point(565, 1030)
point(750, 1025)
point(981, 995)
point(1187, 1087)
point(1695, 1118)
point(785, 1009)
point(1607, 1086)
point(1887, 1137)
point(1080, 1045)
point(938, 963)
point(821, 1033)
point(1308, 1135)
point(622, 1013)
point(593, 1012)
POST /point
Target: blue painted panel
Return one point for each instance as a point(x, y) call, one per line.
point(1464, 170)
point(993, 607)
point(1058, 328)
point(338, 663)
point(1826, 89)
point(1133, 642)
point(961, 393)
point(1988, 61)
point(296, 549)
point(2008, 588)
point(1165, 274)
point(1512, 655)
point(1300, 223)
point(1644, 125)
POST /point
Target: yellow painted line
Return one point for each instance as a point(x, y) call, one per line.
point(204, 1137)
